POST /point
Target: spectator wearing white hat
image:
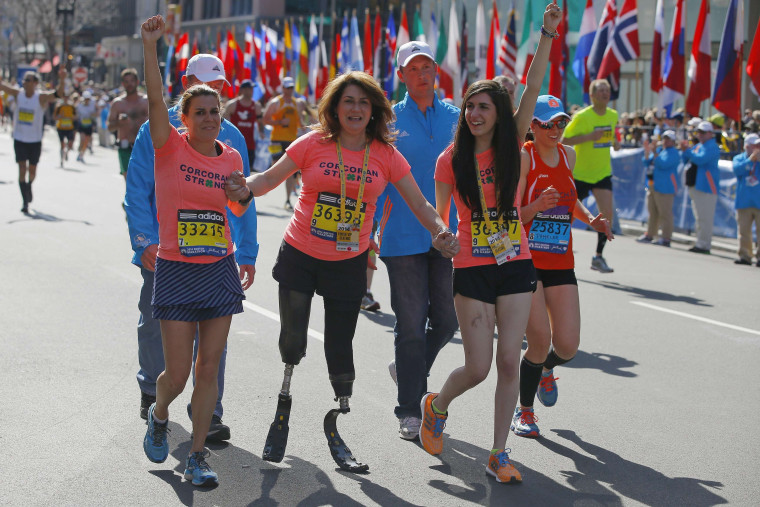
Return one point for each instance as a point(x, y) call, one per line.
point(704, 193)
point(661, 192)
point(748, 198)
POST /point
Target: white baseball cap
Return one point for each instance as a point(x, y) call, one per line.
point(87, 94)
point(751, 139)
point(693, 122)
point(705, 126)
point(412, 49)
point(288, 82)
point(206, 68)
point(669, 134)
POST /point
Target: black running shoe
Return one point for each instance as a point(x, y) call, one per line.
point(146, 400)
point(218, 431)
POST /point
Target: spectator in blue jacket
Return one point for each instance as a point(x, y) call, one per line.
point(704, 194)
point(140, 205)
point(661, 191)
point(747, 206)
point(420, 277)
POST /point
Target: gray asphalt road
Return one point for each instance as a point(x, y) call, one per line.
point(660, 406)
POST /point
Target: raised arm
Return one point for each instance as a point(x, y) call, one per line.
point(10, 90)
point(151, 31)
point(537, 70)
point(60, 90)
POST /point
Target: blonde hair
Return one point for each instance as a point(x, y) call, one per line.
point(596, 83)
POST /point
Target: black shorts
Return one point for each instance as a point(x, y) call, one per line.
point(584, 189)
point(486, 283)
point(343, 280)
point(64, 135)
point(554, 277)
point(27, 151)
point(85, 130)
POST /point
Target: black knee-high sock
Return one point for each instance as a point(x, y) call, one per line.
point(530, 376)
point(600, 242)
point(552, 360)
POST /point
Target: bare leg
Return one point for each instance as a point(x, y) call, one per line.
point(177, 338)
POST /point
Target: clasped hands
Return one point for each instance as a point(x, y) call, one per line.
point(235, 187)
point(446, 242)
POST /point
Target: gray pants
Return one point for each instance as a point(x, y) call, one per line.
point(744, 219)
point(660, 207)
point(703, 207)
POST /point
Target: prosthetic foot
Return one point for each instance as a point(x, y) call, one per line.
point(338, 448)
point(277, 438)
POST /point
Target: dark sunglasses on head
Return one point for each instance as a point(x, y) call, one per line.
point(560, 124)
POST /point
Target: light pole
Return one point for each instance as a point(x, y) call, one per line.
point(65, 8)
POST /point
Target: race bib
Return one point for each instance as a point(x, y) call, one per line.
point(326, 217)
point(201, 232)
point(65, 124)
point(481, 246)
point(86, 122)
point(26, 116)
point(275, 148)
point(550, 231)
point(606, 140)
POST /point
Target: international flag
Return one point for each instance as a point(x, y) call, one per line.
point(368, 47)
point(623, 46)
point(508, 47)
point(440, 50)
point(418, 31)
point(182, 55)
point(344, 51)
point(601, 39)
point(314, 59)
point(527, 41)
point(699, 62)
point(673, 80)
point(334, 51)
point(270, 55)
point(560, 59)
point(290, 66)
point(377, 33)
point(657, 49)
point(753, 63)
point(287, 38)
point(727, 93)
point(463, 70)
point(493, 44)
point(481, 46)
point(324, 67)
point(583, 49)
point(195, 49)
point(449, 70)
point(399, 89)
point(355, 55)
point(168, 67)
point(302, 82)
point(432, 33)
point(389, 74)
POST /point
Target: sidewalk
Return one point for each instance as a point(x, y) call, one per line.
point(636, 229)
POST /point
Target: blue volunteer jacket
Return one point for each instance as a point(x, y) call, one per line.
point(705, 156)
point(746, 196)
point(140, 197)
point(421, 139)
point(666, 170)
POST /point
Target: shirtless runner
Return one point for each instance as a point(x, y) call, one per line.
point(128, 112)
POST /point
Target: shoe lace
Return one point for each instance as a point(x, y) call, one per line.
point(547, 383)
point(503, 458)
point(528, 417)
point(438, 426)
point(411, 421)
point(199, 458)
point(159, 433)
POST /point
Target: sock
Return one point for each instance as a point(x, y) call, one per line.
point(530, 375)
point(494, 452)
point(159, 421)
point(552, 360)
point(432, 404)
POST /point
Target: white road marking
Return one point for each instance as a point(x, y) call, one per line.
point(271, 315)
point(696, 317)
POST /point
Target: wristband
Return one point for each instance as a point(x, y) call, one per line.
point(547, 33)
point(247, 199)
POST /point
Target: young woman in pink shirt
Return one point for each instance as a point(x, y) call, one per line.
point(345, 162)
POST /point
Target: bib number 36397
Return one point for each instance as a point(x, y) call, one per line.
point(502, 247)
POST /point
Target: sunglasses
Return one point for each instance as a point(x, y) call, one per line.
point(560, 124)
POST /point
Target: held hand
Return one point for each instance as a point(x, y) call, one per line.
point(552, 16)
point(446, 243)
point(148, 257)
point(548, 198)
point(601, 224)
point(235, 186)
point(371, 264)
point(152, 29)
point(247, 273)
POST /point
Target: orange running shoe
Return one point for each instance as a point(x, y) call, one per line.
point(502, 468)
point(431, 431)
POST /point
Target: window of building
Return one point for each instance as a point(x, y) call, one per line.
point(242, 7)
point(188, 7)
point(211, 9)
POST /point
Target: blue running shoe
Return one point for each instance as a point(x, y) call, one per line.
point(155, 443)
point(198, 471)
point(524, 423)
point(547, 389)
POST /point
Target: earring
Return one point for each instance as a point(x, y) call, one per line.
point(372, 117)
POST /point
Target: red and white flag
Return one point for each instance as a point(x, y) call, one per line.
point(624, 43)
point(508, 46)
point(493, 41)
point(657, 48)
point(753, 63)
point(699, 62)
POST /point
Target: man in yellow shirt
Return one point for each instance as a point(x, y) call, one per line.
point(592, 132)
point(64, 117)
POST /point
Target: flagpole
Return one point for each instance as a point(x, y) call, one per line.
point(637, 84)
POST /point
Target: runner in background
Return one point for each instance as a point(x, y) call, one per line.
point(128, 112)
point(65, 118)
point(244, 112)
point(86, 117)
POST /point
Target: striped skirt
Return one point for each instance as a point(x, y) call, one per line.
point(193, 292)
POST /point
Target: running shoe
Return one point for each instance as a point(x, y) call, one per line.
point(198, 471)
point(155, 443)
point(547, 389)
point(409, 427)
point(218, 431)
point(80, 158)
point(369, 304)
point(287, 206)
point(524, 423)
point(599, 264)
point(146, 400)
point(431, 430)
point(662, 242)
point(698, 250)
point(392, 371)
point(500, 467)
point(744, 262)
point(644, 238)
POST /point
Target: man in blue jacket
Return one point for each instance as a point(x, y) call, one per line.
point(747, 206)
point(661, 191)
point(704, 194)
point(420, 278)
point(140, 205)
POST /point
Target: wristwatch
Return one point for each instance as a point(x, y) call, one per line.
point(247, 199)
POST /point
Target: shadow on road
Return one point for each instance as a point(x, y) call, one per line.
point(648, 294)
point(37, 215)
point(607, 363)
point(631, 480)
point(384, 319)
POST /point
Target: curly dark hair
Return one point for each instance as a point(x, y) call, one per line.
point(505, 145)
point(382, 113)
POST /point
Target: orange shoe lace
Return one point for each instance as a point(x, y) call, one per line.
point(547, 383)
point(528, 417)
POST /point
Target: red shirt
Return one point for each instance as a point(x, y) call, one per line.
point(244, 119)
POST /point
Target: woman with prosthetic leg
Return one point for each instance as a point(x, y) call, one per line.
point(345, 162)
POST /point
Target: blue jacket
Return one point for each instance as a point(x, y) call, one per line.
point(421, 139)
point(666, 170)
point(746, 196)
point(705, 156)
point(140, 197)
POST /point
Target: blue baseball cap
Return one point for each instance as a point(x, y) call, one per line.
point(548, 107)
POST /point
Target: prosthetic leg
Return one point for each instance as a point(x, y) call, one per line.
point(342, 385)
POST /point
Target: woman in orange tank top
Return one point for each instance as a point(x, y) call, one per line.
point(549, 205)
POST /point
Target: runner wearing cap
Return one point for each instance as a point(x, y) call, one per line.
point(661, 189)
point(704, 194)
point(286, 114)
point(592, 131)
point(86, 115)
point(128, 111)
point(244, 112)
point(140, 205)
point(420, 277)
point(747, 204)
point(549, 205)
point(65, 115)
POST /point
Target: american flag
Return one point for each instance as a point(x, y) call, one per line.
point(508, 47)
